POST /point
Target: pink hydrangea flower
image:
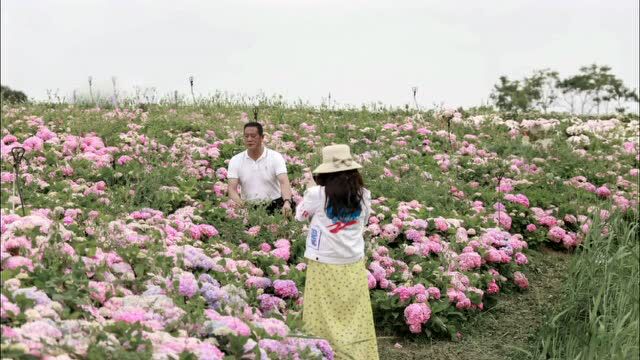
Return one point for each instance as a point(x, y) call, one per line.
point(469, 260)
point(404, 293)
point(265, 247)
point(521, 259)
point(433, 292)
point(195, 232)
point(410, 250)
point(520, 280)
point(208, 230)
point(282, 243)
point(258, 282)
point(8, 308)
point(503, 219)
point(124, 159)
point(371, 280)
point(244, 247)
point(7, 177)
point(441, 224)
point(8, 139)
point(389, 231)
point(556, 234)
point(548, 221)
point(518, 199)
point(413, 235)
point(253, 231)
point(15, 262)
point(603, 192)
point(188, 285)
point(285, 288)
point(229, 324)
point(417, 315)
point(273, 327)
point(282, 253)
point(130, 316)
point(33, 143)
point(505, 186)
point(570, 241)
point(493, 256)
point(629, 147)
point(493, 288)
point(463, 304)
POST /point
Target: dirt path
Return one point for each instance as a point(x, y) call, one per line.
point(494, 334)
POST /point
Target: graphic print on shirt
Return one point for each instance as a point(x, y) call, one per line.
point(338, 226)
point(342, 221)
point(314, 237)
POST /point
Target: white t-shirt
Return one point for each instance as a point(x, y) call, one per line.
point(258, 178)
point(328, 241)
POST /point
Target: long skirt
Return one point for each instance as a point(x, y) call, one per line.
point(337, 307)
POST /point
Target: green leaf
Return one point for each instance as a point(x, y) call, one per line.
point(91, 252)
point(139, 270)
point(8, 274)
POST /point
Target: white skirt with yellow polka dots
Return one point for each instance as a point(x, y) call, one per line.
point(337, 307)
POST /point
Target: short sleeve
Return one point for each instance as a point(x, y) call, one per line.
point(280, 165)
point(232, 171)
point(311, 203)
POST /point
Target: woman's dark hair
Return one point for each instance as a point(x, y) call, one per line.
point(254, 124)
point(344, 192)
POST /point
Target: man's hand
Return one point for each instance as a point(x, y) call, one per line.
point(286, 209)
point(233, 192)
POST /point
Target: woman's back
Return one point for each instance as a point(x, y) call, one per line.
point(333, 239)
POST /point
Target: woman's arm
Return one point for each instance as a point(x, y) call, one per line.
point(310, 204)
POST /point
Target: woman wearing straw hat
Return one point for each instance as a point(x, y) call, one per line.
point(336, 296)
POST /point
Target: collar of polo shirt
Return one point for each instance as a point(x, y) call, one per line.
point(262, 156)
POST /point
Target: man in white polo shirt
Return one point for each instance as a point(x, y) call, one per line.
point(261, 173)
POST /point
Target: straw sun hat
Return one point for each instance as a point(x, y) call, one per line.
point(336, 158)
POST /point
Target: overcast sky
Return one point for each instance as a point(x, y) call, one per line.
point(360, 51)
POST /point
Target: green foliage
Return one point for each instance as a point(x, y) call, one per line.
point(593, 87)
point(598, 316)
point(520, 96)
point(131, 343)
point(12, 96)
point(70, 288)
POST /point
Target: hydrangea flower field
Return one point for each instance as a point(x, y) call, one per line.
point(119, 241)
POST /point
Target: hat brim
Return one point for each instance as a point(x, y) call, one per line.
point(330, 168)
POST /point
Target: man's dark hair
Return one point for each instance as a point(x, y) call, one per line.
point(255, 125)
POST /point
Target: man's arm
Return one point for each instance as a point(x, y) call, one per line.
point(285, 186)
point(233, 192)
point(285, 189)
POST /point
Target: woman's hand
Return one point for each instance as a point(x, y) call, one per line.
point(309, 182)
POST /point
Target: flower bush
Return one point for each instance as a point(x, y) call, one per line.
point(129, 243)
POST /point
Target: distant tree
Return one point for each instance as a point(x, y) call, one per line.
point(594, 87)
point(511, 95)
point(618, 93)
point(590, 86)
point(543, 87)
point(537, 91)
point(12, 96)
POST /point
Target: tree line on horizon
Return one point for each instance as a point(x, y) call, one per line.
point(594, 87)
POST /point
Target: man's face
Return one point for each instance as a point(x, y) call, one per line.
point(252, 139)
